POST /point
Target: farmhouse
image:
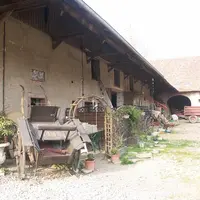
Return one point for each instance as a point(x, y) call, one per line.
point(61, 50)
point(183, 74)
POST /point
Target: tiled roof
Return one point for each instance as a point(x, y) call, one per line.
point(182, 73)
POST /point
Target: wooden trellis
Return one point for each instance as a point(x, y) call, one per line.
point(108, 119)
point(108, 131)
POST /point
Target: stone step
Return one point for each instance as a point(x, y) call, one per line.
point(144, 155)
point(86, 171)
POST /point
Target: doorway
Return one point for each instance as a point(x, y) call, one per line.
point(114, 99)
point(177, 103)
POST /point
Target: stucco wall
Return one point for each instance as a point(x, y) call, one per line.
point(27, 49)
point(194, 97)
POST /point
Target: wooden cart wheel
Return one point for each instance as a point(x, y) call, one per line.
point(20, 158)
point(75, 161)
point(193, 119)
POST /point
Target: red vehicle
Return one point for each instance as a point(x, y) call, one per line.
point(193, 113)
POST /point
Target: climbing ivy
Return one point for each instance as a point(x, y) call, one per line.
point(7, 126)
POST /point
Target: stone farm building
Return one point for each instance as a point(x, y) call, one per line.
point(63, 50)
point(183, 74)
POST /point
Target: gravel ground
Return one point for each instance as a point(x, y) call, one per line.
point(185, 131)
point(159, 178)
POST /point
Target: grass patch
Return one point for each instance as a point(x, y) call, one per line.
point(139, 150)
point(125, 160)
point(178, 149)
point(133, 150)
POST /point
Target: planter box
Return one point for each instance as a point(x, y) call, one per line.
point(2, 153)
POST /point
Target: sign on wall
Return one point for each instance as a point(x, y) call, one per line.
point(38, 75)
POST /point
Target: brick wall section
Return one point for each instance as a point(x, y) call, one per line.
point(27, 49)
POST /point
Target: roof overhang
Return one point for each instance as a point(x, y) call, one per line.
point(110, 38)
point(88, 17)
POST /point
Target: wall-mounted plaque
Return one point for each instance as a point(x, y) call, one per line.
point(38, 75)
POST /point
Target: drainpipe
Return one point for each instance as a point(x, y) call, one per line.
point(3, 66)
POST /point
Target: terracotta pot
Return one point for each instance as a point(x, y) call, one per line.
point(90, 165)
point(115, 158)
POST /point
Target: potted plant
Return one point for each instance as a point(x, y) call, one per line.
point(90, 162)
point(115, 155)
point(7, 129)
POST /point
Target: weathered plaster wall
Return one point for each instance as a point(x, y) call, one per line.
point(142, 94)
point(194, 98)
point(27, 49)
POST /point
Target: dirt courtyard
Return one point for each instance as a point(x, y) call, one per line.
point(172, 174)
point(185, 131)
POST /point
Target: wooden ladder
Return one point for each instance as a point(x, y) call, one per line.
point(108, 126)
point(104, 93)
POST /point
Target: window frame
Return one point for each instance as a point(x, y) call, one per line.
point(117, 78)
point(131, 85)
point(95, 70)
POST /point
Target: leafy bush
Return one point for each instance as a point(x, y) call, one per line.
point(134, 116)
point(7, 126)
point(114, 151)
point(125, 161)
point(90, 157)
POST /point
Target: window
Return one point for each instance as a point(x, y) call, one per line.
point(114, 99)
point(95, 69)
point(38, 102)
point(131, 83)
point(116, 78)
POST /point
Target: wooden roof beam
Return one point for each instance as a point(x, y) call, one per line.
point(56, 41)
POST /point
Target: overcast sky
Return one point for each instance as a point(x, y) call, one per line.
point(156, 28)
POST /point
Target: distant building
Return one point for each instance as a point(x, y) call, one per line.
point(184, 75)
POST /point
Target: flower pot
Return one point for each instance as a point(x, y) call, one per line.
point(90, 165)
point(115, 158)
point(2, 153)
